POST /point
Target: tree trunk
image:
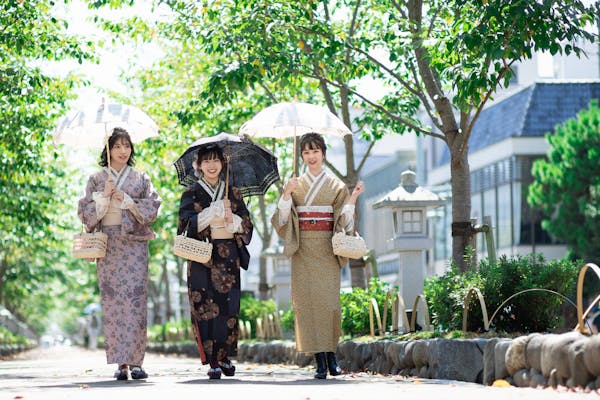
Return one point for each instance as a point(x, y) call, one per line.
point(263, 285)
point(3, 269)
point(357, 273)
point(357, 267)
point(168, 309)
point(182, 277)
point(153, 295)
point(461, 206)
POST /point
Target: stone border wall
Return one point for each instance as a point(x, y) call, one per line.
point(7, 350)
point(535, 360)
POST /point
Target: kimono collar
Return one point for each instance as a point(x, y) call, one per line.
point(312, 178)
point(315, 183)
point(216, 192)
point(118, 176)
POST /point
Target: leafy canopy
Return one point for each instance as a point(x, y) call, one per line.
point(34, 189)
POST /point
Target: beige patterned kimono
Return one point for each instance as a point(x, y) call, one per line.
point(315, 269)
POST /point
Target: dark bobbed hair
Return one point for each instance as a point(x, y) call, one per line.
point(117, 133)
point(313, 141)
point(210, 152)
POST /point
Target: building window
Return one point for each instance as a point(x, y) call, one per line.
point(412, 221)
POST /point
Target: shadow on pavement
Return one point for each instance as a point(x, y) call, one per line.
point(236, 381)
point(104, 384)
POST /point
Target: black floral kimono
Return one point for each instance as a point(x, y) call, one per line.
point(214, 287)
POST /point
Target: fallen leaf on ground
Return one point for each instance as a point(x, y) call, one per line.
point(500, 383)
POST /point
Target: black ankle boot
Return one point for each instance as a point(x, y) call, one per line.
point(334, 369)
point(321, 366)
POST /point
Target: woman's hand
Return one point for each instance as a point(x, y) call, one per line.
point(359, 188)
point(109, 187)
point(118, 195)
point(290, 187)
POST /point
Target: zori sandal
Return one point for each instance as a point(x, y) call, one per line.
point(121, 373)
point(137, 372)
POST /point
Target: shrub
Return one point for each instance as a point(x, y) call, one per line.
point(7, 337)
point(355, 306)
point(172, 331)
point(251, 309)
point(532, 311)
point(287, 320)
point(445, 296)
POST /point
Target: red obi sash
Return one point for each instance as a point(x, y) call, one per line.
point(315, 221)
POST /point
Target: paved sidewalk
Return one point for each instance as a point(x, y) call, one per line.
point(74, 373)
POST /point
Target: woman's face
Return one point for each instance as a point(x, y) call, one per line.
point(211, 169)
point(313, 158)
point(120, 153)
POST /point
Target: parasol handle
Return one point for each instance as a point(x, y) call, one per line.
point(227, 178)
point(107, 146)
point(295, 154)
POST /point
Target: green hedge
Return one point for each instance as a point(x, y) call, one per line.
point(533, 311)
point(7, 337)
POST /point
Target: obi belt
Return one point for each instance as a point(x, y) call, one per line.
point(315, 218)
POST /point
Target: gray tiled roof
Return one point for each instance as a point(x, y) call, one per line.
point(533, 111)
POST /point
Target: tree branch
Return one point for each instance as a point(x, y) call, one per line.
point(364, 159)
point(269, 93)
point(399, 8)
point(385, 110)
point(353, 21)
point(433, 19)
point(488, 95)
point(424, 99)
point(333, 169)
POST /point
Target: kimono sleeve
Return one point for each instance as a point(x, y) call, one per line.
point(188, 214)
point(341, 220)
point(238, 207)
point(86, 209)
point(289, 233)
point(148, 203)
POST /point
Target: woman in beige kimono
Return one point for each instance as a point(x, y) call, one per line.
point(122, 203)
point(312, 207)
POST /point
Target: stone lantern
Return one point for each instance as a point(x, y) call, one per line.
point(405, 229)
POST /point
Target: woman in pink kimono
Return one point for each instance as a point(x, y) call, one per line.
point(122, 203)
point(312, 207)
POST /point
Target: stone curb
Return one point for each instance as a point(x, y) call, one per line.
point(12, 349)
point(536, 360)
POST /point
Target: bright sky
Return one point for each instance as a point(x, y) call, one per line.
point(113, 61)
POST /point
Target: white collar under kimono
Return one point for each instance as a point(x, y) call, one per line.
point(315, 184)
point(217, 192)
point(118, 177)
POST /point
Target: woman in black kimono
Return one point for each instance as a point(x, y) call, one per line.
point(209, 211)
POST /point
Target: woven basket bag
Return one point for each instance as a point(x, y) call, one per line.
point(192, 249)
point(89, 245)
point(348, 246)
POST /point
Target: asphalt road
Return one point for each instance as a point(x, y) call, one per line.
point(74, 373)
